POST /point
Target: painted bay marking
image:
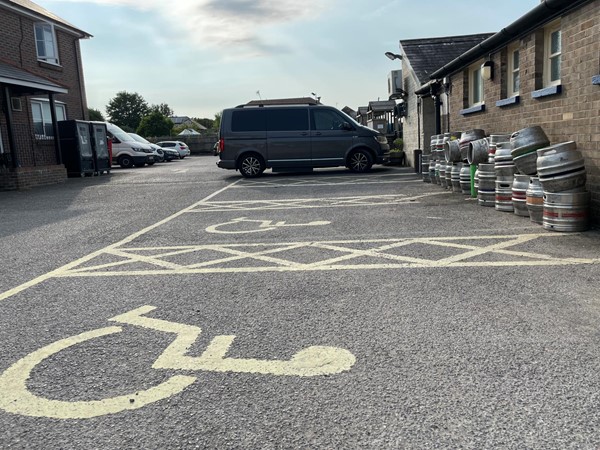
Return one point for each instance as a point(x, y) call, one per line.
point(263, 225)
point(317, 180)
point(418, 252)
point(311, 203)
point(16, 398)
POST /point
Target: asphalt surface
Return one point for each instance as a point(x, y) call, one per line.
point(182, 306)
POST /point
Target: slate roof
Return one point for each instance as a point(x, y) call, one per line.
point(18, 77)
point(382, 105)
point(38, 10)
point(425, 56)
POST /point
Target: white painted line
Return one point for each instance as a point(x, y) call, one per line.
point(78, 262)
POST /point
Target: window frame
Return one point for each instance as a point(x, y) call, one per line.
point(549, 56)
point(513, 72)
point(46, 28)
point(472, 70)
point(46, 120)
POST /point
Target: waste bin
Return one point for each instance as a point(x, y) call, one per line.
point(76, 147)
point(102, 154)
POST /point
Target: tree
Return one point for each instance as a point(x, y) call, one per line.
point(127, 109)
point(217, 122)
point(96, 115)
point(208, 123)
point(155, 124)
point(163, 108)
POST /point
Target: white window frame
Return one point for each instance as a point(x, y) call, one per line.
point(475, 71)
point(549, 56)
point(46, 115)
point(50, 49)
point(512, 71)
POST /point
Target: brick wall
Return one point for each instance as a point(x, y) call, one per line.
point(572, 115)
point(17, 46)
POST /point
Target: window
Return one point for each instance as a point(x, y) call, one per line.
point(475, 85)
point(324, 119)
point(45, 42)
point(293, 119)
point(514, 75)
point(552, 54)
point(249, 120)
point(42, 119)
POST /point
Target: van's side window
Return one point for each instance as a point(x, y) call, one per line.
point(249, 120)
point(324, 119)
point(293, 119)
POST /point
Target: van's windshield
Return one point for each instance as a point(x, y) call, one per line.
point(119, 134)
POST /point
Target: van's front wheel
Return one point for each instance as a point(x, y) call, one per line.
point(360, 161)
point(251, 166)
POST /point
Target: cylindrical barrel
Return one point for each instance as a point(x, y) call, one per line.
point(566, 211)
point(456, 177)
point(486, 190)
point(524, 144)
point(535, 200)
point(449, 176)
point(504, 181)
point(432, 171)
point(478, 151)
point(561, 167)
point(502, 157)
point(495, 139)
point(443, 174)
point(425, 168)
point(465, 138)
point(519, 195)
point(465, 179)
point(452, 150)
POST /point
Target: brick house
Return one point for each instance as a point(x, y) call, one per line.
point(420, 58)
point(41, 82)
point(543, 69)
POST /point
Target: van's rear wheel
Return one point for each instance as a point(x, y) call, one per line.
point(251, 165)
point(125, 161)
point(360, 161)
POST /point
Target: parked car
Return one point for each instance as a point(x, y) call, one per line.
point(126, 151)
point(181, 147)
point(287, 137)
point(158, 151)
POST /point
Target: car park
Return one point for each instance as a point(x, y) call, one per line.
point(162, 154)
point(126, 151)
point(295, 134)
point(181, 147)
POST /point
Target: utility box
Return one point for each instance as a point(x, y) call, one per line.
point(76, 147)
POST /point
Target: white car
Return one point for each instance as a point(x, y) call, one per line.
point(181, 147)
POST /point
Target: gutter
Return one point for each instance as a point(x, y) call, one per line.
point(544, 12)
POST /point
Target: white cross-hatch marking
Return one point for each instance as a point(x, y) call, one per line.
point(297, 203)
point(263, 256)
point(331, 181)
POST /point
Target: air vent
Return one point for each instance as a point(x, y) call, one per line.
point(16, 104)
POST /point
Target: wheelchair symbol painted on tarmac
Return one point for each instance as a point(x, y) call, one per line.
point(16, 398)
point(263, 225)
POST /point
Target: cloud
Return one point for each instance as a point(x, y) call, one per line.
point(245, 24)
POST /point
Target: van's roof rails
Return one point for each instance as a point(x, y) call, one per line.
point(282, 101)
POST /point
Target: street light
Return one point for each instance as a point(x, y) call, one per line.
point(393, 56)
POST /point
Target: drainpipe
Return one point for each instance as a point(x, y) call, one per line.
point(55, 129)
point(9, 128)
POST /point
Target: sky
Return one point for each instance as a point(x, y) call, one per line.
point(201, 56)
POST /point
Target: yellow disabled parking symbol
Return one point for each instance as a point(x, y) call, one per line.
point(16, 398)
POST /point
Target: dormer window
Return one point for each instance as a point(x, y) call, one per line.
point(45, 42)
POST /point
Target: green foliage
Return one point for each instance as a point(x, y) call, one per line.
point(208, 123)
point(163, 108)
point(217, 122)
point(127, 110)
point(95, 115)
point(155, 124)
point(397, 145)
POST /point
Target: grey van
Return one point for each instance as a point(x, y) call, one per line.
point(291, 137)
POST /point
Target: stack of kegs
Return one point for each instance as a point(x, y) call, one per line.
point(466, 138)
point(486, 190)
point(505, 170)
point(562, 175)
point(425, 168)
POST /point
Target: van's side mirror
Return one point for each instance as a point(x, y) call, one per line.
point(346, 127)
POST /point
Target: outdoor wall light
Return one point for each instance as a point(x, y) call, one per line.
point(487, 70)
point(393, 56)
